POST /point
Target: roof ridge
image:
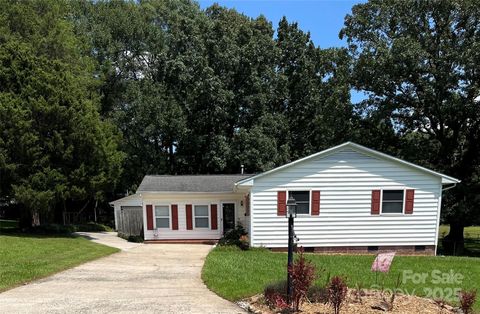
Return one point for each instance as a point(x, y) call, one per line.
point(194, 175)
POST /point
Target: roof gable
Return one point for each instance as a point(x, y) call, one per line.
point(362, 149)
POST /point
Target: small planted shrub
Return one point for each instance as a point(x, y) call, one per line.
point(131, 238)
point(237, 236)
point(276, 295)
point(467, 300)
point(302, 274)
point(337, 293)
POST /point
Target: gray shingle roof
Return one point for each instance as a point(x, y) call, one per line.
point(190, 183)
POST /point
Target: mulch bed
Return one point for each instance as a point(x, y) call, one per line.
point(404, 304)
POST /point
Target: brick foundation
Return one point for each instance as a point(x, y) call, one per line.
point(400, 250)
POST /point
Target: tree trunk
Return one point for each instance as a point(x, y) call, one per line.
point(35, 218)
point(454, 242)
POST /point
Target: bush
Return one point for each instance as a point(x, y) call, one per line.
point(93, 227)
point(337, 292)
point(276, 295)
point(237, 236)
point(131, 238)
point(52, 229)
point(302, 274)
point(467, 299)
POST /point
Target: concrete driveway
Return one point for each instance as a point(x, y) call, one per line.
point(151, 278)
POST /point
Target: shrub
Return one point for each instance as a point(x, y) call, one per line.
point(131, 238)
point(276, 294)
point(92, 227)
point(302, 274)
point(337, 293)
point(237, 236)
point(467, 299)
point(317, 294)
point(52, 229)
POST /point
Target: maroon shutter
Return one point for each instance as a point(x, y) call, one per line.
point(409, 202)
point(213, 216)
point(315, 203)
point(247, 204)
point(281, 203)
point(149, 217)
point(188, 210)
point(375, 202)
point(174, 217)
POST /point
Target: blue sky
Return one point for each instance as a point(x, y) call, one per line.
point(322, 18)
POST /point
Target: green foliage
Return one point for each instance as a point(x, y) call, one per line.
point(52, 229)
point(93, 227)
point(24, 258)
point(54, 145)
point(237, 237)
point(229, 272)
point(417, 62)
point(131, 238)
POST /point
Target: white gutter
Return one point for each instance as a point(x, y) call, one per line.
point(449, 187)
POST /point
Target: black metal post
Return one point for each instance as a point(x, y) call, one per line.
point(290, 258)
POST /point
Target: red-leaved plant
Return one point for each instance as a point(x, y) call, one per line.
point(337, 293)
point(467, 299)
point(302, 274)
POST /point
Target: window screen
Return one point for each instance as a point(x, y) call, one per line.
point(303, 201)
point(201, 216)
point(392, 201)
point(162, 216)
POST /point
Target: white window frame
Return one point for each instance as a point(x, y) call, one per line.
point(208, 217)
point(403, 202)
point(309, 200)
point(169, 216)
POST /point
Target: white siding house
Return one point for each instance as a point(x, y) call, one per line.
point(350, 198)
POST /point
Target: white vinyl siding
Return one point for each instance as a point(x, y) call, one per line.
point(346, 179)
point(182, 200)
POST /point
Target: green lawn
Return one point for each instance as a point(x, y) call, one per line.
point(25, 258)
point(234, 274)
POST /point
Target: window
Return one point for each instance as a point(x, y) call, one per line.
point(303, 201)
point(392, 202)
point(201, 216)
point(162, 216)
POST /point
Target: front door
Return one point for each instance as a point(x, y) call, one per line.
point(228, 216)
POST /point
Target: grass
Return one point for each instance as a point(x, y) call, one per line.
point(235, 274)
point(24, 257)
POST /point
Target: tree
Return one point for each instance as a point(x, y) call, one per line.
point(312, 91)
point(418, 61)
point(55, 147)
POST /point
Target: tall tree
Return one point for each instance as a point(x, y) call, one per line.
point(418, 61)
point(312, 91)
point(55, 147)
